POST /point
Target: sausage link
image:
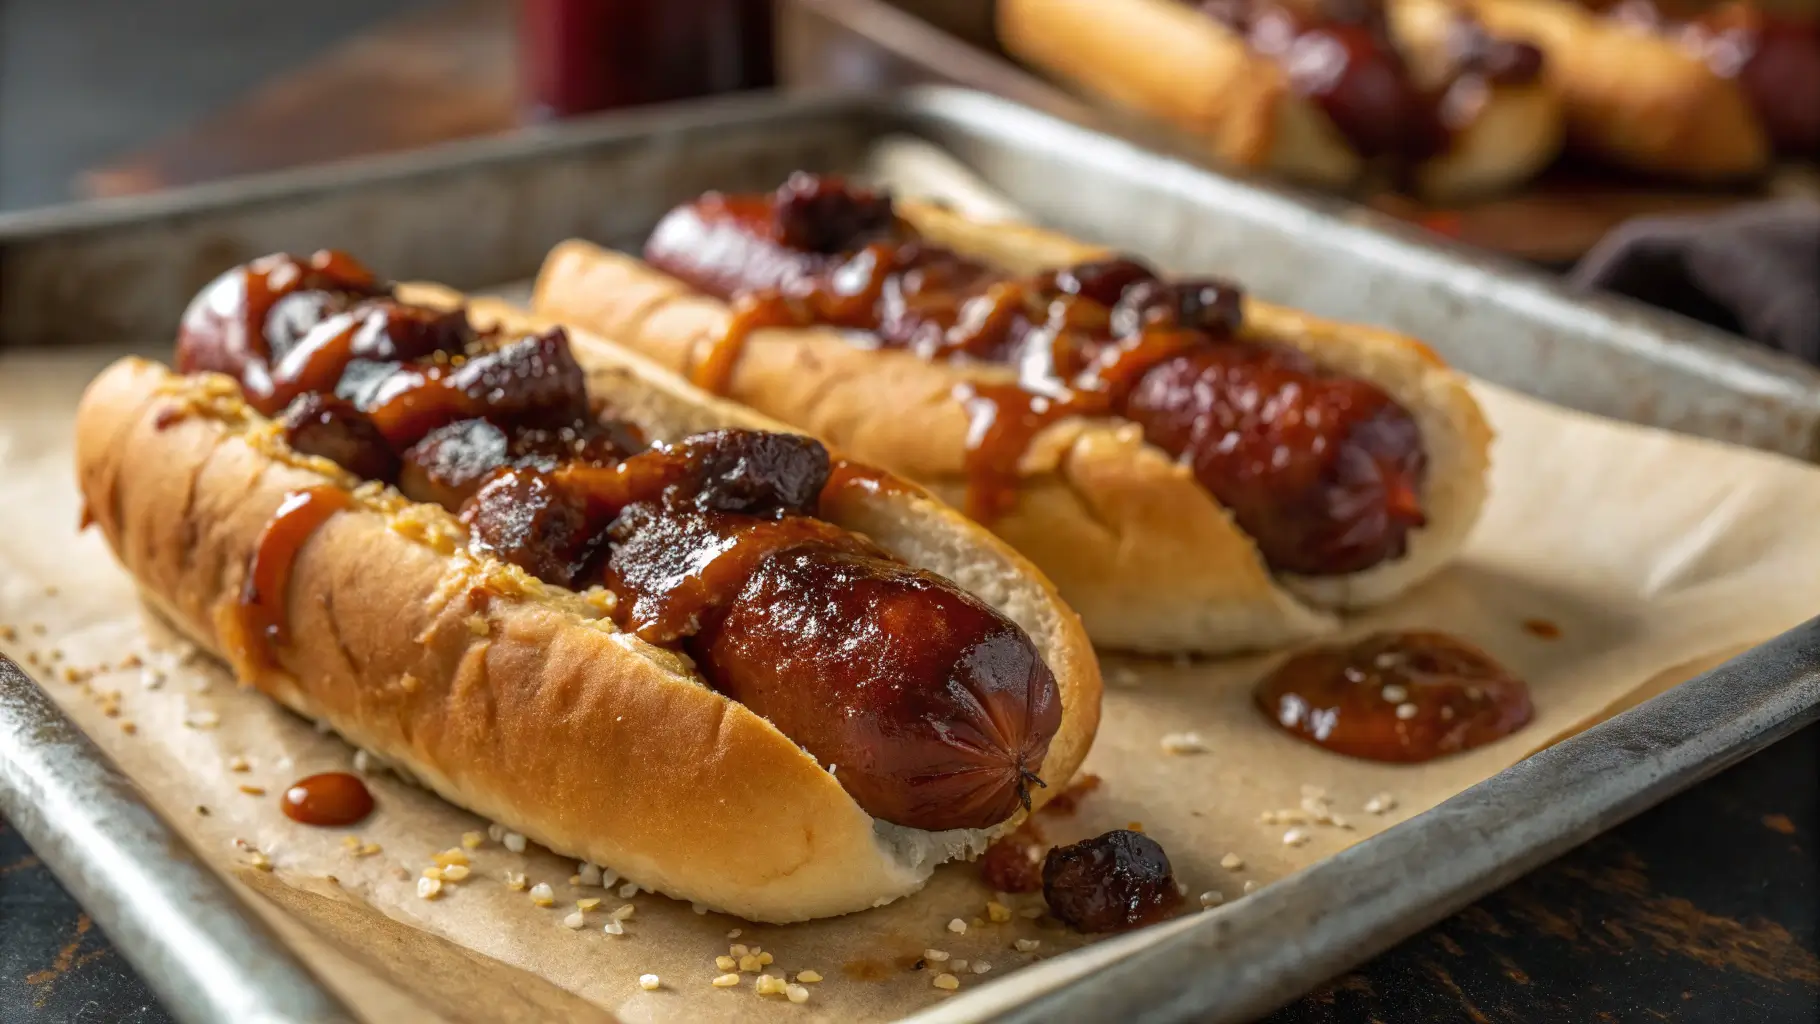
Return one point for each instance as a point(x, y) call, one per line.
point(1323, 471)
point(932, 709)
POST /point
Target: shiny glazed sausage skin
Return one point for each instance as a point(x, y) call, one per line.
point(931, 708)
point(1323, 471)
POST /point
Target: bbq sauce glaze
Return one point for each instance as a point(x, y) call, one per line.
point(1324, 471)
point(937, 710)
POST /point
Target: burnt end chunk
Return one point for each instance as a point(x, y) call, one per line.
point(827, 215)
point(325, 426)
point(754, 472)
point(1109, 883)
point(1211, 305)
point(533, 379)
point(1102, 281)
point(451, 462)
point(393, 331)
point(523, 517)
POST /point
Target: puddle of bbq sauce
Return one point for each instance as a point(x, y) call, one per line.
point(1397, 697)
point(268, 577)
point(328, 800)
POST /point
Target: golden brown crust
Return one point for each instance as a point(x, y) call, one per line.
point(1165, 59)
point(1634, 97)
point(516, 700)
point(1130, 539)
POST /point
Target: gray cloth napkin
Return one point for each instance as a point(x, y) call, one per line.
point(1753, 270)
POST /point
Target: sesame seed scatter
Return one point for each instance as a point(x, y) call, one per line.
point(957, 965)
point(796, 993)
point(1250, 887)
point(935, 955)
point(587, 874)
point(239, 764)
point(649, 982)
point(726, 963)
point(614, 927)
point(515, 881)
point(1027, 945)
point(455, 873)
point(429, 888)
point(543, 895)
point(1380, 804)
point(749, 964)
point(947, 982)
point(1295, 837)
point(587, 904)
point(625, 913)
point(997, 912)
point(1212, 898)
point(451, 857)
point(1232, 862)
point(733, 933)
point(472, 840)
point(981, 967)
point(808, 977)
point(513, 842)
point(628, 890)
point(253, 790)
point(574, 920)
point(767, 985)
point(725, 981)
point(957, 926)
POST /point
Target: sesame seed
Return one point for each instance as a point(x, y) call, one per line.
point(981, 967)
point(1027, 945)
point(587, 904)
point(726, 963)
point(1232, 862)
point(472, 840)
point(478, 625)
point(649, 982)
point(699, 908)
point(935, 955)
point(765, 958)
point(368, 849)
point(574, 921)
point(957, 964)
point(998, 912)
point(8, 633)
point(749, 964)
point(350, 843)
point(625, 913)
point(1394, 693)
point(239, 764)
point(1295, 837)
point(733, 933)
point(1184, 743)
point(253, 790)
point(513, 841)
point(957, 926)
point(451, 857)
point(796, 993)
point(1380, 803)
point(587, 874)
point(543, 895)
point(429, 888)
point(756, 950)
point(770, 986)
point(1250, 887)
point(739, 949)
point(151, 679)
point(202, 720)
point(808, 977)
point(1212, 898)
point(608, 878)
point(129, 728)
point(515, 881)
point(947, 982)
point(628, 890)
point(455, 873)
point(496, 831)
point(433, 872)
point(725, 981)
point(614, 927)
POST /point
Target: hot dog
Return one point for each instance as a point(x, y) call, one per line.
point(1319, 91)
point(1196, 470)
point(1710, 97)
point(452, 540)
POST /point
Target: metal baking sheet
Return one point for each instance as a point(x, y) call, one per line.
point(475, 214)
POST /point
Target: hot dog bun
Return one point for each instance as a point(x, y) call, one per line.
point(1132, 541)
point(1635, 97)
point(520, 701)
point(1168, 60)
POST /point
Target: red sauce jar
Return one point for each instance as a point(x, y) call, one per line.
point(578, 56)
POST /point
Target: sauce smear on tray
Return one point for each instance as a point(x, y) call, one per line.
point(1400, 697)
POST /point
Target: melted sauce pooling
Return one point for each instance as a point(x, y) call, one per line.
point(1398, 697)
point(268, 578)
point(327, 800)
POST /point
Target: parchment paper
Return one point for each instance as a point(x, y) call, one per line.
point(1653, 554)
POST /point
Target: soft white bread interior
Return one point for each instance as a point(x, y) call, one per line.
point(1165, 59)
point(1635, 97)
point(1132, 541)
point(520, 701)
